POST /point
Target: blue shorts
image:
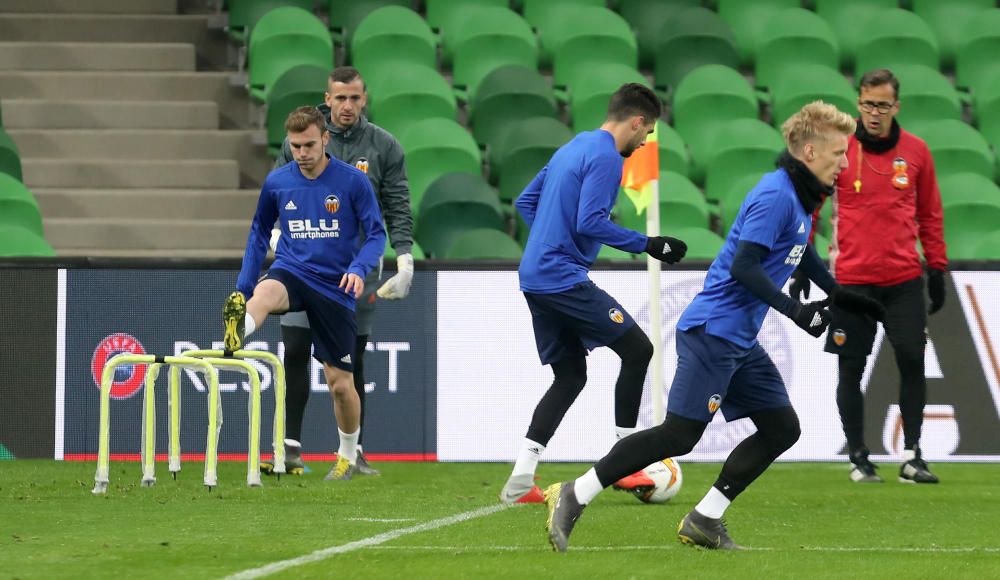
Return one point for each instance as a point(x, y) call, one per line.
point(568, 324)
point(332, 324)
point(713, 372)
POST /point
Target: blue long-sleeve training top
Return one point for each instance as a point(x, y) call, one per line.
point(568, 208)
point(330, 226)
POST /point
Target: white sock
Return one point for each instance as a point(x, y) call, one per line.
point(909, 455)
point(623, 432)
point(249, 325)
point(349, 445)
point(714, 504)
point(587, 487)
point(293, 443)
point(527, 457)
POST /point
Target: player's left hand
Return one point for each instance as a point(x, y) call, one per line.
point(857, 303)
point(352, 284)
point(666, 249)
point(800, 285)
point(935, 289)
point(398, 286)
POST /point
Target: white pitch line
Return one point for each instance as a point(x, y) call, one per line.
point(381, 520)
point(325, 553)
point(544, 547)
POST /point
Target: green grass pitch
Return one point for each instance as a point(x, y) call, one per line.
point(804, 520)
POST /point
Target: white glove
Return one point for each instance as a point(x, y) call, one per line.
point(275, 236)
point(399, 285)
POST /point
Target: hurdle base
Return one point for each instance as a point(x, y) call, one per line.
point(148, 482)
point(100, 487)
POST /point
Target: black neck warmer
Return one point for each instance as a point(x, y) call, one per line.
point(808, 188)
point(873, 144)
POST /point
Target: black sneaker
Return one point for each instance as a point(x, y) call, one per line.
point(365, 468)
point(564, 511)
point(698, 530)
point(863, 470)
point(916, 470)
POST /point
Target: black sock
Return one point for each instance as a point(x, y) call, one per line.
point(674, 437)
point(635, 351)
point(850, 400)
point(777, 430)
point(359, 377)
point(570, 377)
point(298, 347)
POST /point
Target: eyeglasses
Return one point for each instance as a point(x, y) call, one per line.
point(882, 107)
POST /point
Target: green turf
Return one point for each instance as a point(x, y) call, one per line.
point(807, 521)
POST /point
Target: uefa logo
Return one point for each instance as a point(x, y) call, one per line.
point(128, 378)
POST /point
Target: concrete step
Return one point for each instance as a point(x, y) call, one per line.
point(178, 253)
point(90, 6)
point(56, 114)
point(97, 56)
point(145, 234)
point(102, 27)
point(133, 143)
point(124, 174)
point(236, 204)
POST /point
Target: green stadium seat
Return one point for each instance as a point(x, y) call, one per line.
point(968, 187)
point(244, 14)
point(803, 84)
point(965, 226)
point(441, 12)
point(540, 12)
point(988, 247)
point(483, 244)
point(577, 38)
point(390, 253)
point(702, 243)
point(748, 19)
point(393, 34)
point(926, 96)
point(589, 94)
point(976, 56)
point(957, 148)
point(285, 38)
point(647, 17)
point(950, 21)
point(401, 94)
point(297, 87)
point(708, 98)
point(691, 38)
point(436, 147)
point(523, 150)
point(825, 223)
point(894, 37)
point(507, 94)
point(345, 15)
point(674, 155)
point(10, 158)
point(455, 203)
point(793, 37)
point(681, 205)
point(986, 105)
point(18, 206)
point(483, 39)
point(16, 241)
point(822, 245)
point(741, 147)
point(845, 18)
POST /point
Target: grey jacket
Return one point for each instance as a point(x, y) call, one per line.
point(375, 151)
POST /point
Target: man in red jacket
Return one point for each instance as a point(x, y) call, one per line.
point(885, 201)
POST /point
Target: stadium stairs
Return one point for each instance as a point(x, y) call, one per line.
point(132, 136)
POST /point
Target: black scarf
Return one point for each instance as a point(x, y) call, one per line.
point(810, 191)
point(874, 144)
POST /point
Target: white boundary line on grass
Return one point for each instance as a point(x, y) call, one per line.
point(325, 553)
point(542, 546)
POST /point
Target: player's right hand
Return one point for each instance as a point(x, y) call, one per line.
point(666, 249)
point(812, 317)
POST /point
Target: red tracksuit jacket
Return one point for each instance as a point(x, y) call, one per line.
point(876, 223)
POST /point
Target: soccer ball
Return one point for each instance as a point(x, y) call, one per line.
point(667, 476)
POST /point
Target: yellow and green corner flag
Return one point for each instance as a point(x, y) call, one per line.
point(641, 171)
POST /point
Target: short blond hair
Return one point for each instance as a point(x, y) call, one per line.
point(813, 122)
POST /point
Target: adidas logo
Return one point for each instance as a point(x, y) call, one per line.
point(802, 228)
point(346, 359)
point(290, 205)
point(666, 249)
point(816, 321)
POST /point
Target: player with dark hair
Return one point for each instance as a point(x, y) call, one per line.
point(322, 206)
point(567, 206)
point(720, 364)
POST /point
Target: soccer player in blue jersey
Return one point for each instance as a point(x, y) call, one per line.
point(720, 364)
point(567, 206)
point(325, 208)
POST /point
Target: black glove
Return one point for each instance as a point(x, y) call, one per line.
point(800, 285)
point(857, 303)
point(666, 249)
point(812, 317)
point(935, 289)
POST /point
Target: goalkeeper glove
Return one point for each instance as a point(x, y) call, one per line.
point(399, 285)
